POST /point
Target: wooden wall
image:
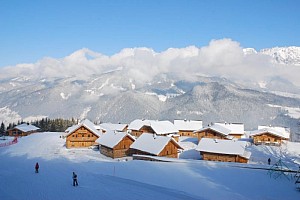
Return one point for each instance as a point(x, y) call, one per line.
point(136, 133)
point(144, 129)
point(210, 134)
point(267, 138)
point(222, 157)
point(119, 151)
point(17, 132)
point(82, 137)
point(238, 136)
point(188, 133)
point(170, 150)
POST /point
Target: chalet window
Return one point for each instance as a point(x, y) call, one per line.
point(88, 135)
point(76, 135)
point(72, 135)
point(215, 134)
point(124, 146)
point(269, 139)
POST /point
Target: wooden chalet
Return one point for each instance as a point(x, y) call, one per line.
point(82, 135)
point(214, 131)
point(188, 127)
point(237, 130)
point(138, 127)
point(164, 128)
point(223, 150)
point(155, 145)
point(104, 127)
point(115, 144)
point(270, 136)
point(22, 130)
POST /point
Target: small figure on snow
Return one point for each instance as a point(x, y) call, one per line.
point(75, 183)
point(37, 167)
point(269, 161)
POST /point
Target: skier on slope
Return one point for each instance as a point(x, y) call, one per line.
point(75, 183)
point(37, 167)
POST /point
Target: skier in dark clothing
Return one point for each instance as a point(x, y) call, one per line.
point(37, 168)
point(269, 161)
point(75, 183)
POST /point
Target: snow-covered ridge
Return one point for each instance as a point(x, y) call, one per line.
point(282, 55)
point(8, 116)
point(249, 51)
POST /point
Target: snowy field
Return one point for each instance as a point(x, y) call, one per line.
point(100, 177)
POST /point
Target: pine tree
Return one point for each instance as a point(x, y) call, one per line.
point(2, 129)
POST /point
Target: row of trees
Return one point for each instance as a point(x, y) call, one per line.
point(45, 124)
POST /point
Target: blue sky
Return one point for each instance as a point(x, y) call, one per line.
point(31, 30)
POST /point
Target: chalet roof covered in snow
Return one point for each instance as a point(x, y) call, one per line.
point(285, 135)
point(111, 139)
point(163, 127)
point(152, 143)
point(87, 124)
point(159, 127)
point(138, 124)
point(26, 127)
point(217, 128)
point(230, 147)
point(113, 127)
point(285, 131)
point(70, 128)
point(188, 125)
point(235, 128)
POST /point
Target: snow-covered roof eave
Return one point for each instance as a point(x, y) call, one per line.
point(112, 142)
point(80, 125)
point(26, 128)
point(246, 155)
point(269, 132)
point(210, 128)
point(152, 143)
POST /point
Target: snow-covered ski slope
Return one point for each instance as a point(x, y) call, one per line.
point(103, 178)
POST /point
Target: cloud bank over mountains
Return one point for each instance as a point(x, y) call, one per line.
point(222, 58)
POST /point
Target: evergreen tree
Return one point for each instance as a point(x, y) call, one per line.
point(2, 129)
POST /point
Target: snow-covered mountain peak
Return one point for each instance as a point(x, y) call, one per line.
point(249, 51)
point(284, 55)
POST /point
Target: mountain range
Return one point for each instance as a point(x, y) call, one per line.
point(121, 93)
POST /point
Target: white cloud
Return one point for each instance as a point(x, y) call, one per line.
point(223, 58)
